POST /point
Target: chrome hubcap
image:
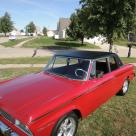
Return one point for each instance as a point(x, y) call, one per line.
point(125, 86)
point(67, 128)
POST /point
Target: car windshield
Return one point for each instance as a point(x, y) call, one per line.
point(69, 67)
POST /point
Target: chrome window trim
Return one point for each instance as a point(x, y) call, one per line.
point(24, 131)
point(54, 58)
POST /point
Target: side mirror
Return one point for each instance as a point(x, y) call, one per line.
point(99, 74)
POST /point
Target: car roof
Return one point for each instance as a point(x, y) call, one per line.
point(85, 54)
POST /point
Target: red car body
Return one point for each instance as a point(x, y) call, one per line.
point(39, 100)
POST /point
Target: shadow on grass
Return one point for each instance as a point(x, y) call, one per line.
point(61, 45)
point(69, 44)
point(55, 47)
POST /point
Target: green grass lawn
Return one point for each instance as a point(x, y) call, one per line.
point(50, 43)
point(128, 60)
point(12, 43)
point(25, 60)
point(44, 60)
point(117, 117)
point(122, 42)
point(13, 72)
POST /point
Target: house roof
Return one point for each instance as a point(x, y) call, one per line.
point(85, 54)
point(63, 23)
point(54, 31)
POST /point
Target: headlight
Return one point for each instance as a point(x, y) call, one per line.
point(23, 127)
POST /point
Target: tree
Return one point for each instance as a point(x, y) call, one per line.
point(0, 25)
point(22, 31)
point(75, 29)
point(6, 25)
point(30, 28)
point(109, 18)
point(45, 31)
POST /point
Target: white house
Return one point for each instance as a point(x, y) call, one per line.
point(96, 40)
point(38, 31)
point(51, 33)
point(63, 24)
point(15, 32)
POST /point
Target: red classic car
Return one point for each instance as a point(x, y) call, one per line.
point(50, 103)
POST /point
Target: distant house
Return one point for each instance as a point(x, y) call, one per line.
point(38, 31)
point(51, 33)
point(15, 32)
point(63, 24)
point(96, 40)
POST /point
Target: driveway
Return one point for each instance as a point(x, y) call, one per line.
point(29, 52)
point(5, 39)
point(122, 51)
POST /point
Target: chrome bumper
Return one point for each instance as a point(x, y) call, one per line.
point(6, 131)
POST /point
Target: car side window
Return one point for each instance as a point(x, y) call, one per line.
point(60, 62)
point(72, 61)
point(102, 67)
point(113, 63)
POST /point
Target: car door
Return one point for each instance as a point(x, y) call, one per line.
point(101, 85)
point(118, 71)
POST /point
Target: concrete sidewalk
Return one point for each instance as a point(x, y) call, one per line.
point(23, 42)
point(7, 66)
point(122, 51)
point(23, 52)
point(28, 52)
point(6, 39)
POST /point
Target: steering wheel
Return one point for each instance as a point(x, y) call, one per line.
point(76, 72)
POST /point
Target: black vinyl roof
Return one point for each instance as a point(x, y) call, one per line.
point(85, 54)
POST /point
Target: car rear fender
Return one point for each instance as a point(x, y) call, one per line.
point(132, 74)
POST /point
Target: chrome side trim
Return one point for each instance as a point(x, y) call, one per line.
point(5, 130)
point(7, 116)
point(66, 103)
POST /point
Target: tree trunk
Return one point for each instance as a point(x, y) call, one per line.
point(111, 45)
point(129, 51)
point(82, 40)
point(5, 34)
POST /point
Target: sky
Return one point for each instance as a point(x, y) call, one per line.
point(41, 12)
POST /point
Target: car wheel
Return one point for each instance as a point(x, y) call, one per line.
point(66, 126)
point(124, 89)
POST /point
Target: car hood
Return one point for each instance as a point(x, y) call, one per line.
point(30, 96)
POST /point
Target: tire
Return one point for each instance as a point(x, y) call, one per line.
point(124, 88)
point(63, 125)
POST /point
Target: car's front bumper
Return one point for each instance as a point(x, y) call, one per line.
point(6, 131)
